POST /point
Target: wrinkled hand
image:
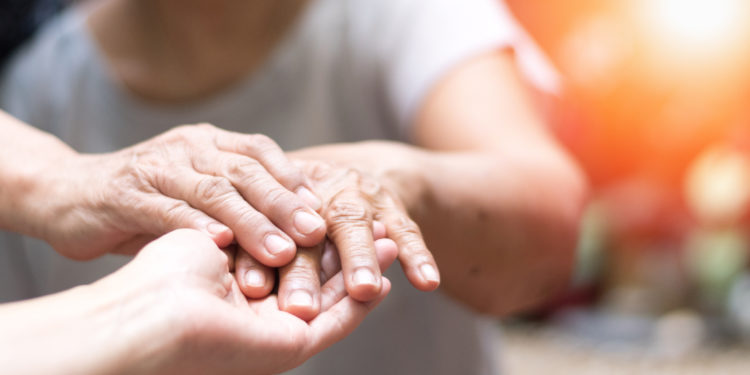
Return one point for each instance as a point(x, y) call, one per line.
point(230, 186)
point(192, 317)
point(358, 211)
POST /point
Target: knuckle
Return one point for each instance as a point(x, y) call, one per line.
point(178, 135)
point(256, 222)
point(405, 226)
point(261, 142)
point(240, 168)
point(175, 212)
point(291, 177)
point(360, 256)
point(204, 126)
point(318, 170)
point(211, 188)
point(277, 197)
point(353, 175)
point(346, 211)
point(370, 187)
point(301, 275)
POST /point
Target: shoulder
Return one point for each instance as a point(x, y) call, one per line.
point(415, 43)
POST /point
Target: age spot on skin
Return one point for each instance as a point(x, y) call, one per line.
point(483, 216)
point(474, 271)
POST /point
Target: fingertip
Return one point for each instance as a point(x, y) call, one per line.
point(386, 286)
point(364, 284)
point(255, 283)
point(185, 237)
point(383, 292)
point(302, 304)
point(386, 251)
point(310, 199)
point(378, 230)
point(279, 251)
point(219, 233)
point(425, 277)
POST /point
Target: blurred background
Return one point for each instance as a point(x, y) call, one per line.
point(656, 108)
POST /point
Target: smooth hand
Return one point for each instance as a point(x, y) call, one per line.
point(191, 318)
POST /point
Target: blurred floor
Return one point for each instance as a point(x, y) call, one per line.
point(540, 350)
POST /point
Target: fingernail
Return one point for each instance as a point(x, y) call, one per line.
point(429, 273)
point(275, 244)
point(364, 276)
point(255, 278)
point(216, 228)
point(309, 198)
point(300, 298)
point(307, 223)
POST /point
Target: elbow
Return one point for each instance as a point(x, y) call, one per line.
point(533, 261)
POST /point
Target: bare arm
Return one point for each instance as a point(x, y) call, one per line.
point(228, 185)
point(24, 153)
point(504, 209)
point(496, 200)
point(174, 309)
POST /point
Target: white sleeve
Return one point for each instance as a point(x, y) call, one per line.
point(426, 38)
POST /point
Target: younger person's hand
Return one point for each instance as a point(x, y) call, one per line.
point(193, 319)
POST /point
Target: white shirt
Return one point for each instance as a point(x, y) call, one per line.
point(350, 70)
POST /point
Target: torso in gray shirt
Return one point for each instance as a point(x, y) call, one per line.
point(350, 70)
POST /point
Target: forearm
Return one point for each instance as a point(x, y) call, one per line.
point(502, 226)
point(24, 153)
point(65, 333)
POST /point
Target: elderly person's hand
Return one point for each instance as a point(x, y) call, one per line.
point(358, 211)
point(233, 187)
point(175, 309)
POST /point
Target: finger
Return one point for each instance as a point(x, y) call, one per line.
point(341, 319)
point(299, 284)
point(259, 188)
point(264, 307)
point(272, 157)
point(334, 289)
point(330, 263)
point(378, 230)
point(255, 279)
point(231, 253)
point(216, 196)
point(185, 251)
point(158, 214)
point(418, 264)
point(350, 227)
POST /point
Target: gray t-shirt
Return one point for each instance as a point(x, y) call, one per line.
point(349, 70)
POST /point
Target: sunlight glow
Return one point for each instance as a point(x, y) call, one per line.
point(697, 23)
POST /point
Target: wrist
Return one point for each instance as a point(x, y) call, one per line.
point(33, 187)
point(137, 320)
point(69, 332)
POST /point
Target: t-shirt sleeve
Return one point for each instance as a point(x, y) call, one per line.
point(423, 40)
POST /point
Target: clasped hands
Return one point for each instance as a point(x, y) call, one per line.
point(320, 233)
point(302, 218)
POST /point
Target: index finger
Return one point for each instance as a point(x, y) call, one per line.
point(269, 154)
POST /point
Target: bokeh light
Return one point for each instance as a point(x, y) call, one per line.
point(695, 24)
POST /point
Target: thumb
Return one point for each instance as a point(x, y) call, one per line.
point(185, 250)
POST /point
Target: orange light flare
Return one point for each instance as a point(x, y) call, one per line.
point(697, 23)
point(694, 56)
point(695, 36)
